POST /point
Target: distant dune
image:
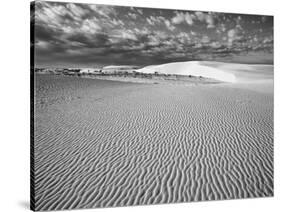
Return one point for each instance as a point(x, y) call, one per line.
point(226, 72)
point(116, 68)
point(119, 67)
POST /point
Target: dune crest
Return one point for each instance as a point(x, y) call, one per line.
point(226, 72)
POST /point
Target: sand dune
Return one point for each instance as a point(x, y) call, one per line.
point(227, 72)
point(115, 68)
point(105, 143)
point(119, 67)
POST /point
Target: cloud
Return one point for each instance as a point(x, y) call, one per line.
point(255, 39)
point(42, 44)
point(117, 22)
point(216, 45)
point(189, 18)
point(121, 35)
point(153, 41)
point(90, 26)
point(153, 20)
point(268, 40)
point(210, 21)
point(205, 39)
point(263, 19)
point(76, 33)
point(149, 21)
point(140, 11)
point(103, 10)
point(231, 33)
point(169, 25)
point(183, 17)
point(50, 15)
point(208, 18)
point(77, 11)
point(222, 27)
point(238, 22)
point(193, 33)
point(231, 36)
point(45, 33)
point(132, 15)
point(89, 40)
point(198, 45)
point(183, 37)
point(128, 35)
point(234, 34)
point(200, 15)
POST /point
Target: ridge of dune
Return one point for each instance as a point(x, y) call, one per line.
point(226, 72)
point(118, 67)
point(190, 68)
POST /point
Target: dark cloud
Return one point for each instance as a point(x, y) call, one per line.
point(92, 41)
point(45, 33)
point(68, 34)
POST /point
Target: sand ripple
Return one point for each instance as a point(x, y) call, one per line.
point(103, 143)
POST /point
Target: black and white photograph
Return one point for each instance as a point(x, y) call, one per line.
point(142, 106)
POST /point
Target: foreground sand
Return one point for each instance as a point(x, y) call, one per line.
point(104, 143)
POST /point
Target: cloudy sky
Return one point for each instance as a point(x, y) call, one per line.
point(88, 35)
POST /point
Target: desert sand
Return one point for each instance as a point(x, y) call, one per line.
point(225, 72)
point(101, 143)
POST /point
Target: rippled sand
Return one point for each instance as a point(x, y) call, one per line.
point(104, 143)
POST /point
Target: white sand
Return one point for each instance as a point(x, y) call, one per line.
point(115, 68)
point(105, 143)
point(226, 72)
point(118, 67)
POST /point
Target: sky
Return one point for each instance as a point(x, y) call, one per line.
point(90, 35)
